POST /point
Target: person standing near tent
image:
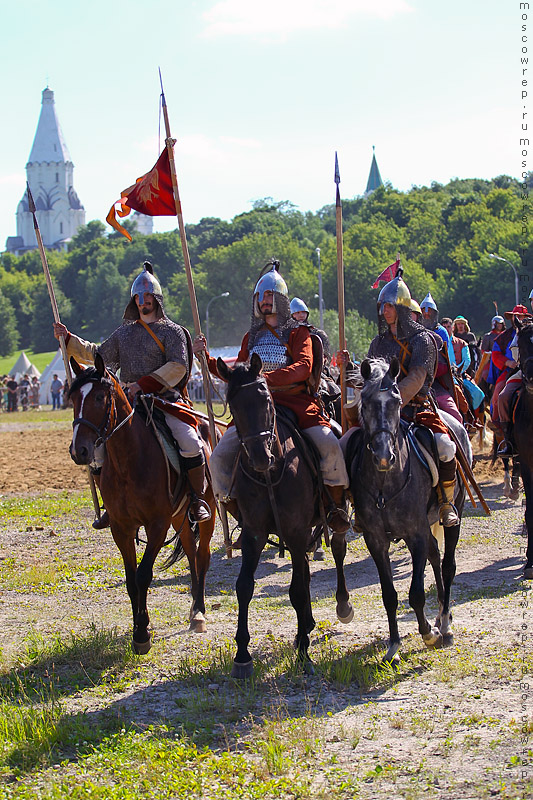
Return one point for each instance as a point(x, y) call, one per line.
point(35, 388)
point(12, 387)
point(55, 390)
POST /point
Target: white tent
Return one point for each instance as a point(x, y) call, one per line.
point(55, 367)
point(23, 366)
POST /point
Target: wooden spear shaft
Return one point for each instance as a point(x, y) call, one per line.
point(55, 312)
point(340, 291)
point(170, 142)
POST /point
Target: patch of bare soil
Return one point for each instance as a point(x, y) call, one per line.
point(37, 460)
point(460, 738)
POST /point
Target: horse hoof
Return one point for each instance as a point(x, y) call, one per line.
point(433, 639)
point(447, 639)
point(391, 656)
point(319, 554)
point(345, 613)
point(528, 573)
point(242, 671)
point(141, 648)
point(514, 495)
point(308, 667)
point(198, 624)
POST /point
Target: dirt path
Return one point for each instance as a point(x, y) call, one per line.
point(457, 729)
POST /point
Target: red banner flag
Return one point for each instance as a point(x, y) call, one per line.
point(387, 275)
point(151, 194)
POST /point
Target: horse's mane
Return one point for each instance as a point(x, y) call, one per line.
point(240, 375)
point(379, 368)
point(88, 374)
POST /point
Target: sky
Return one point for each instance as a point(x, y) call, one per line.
point(261, 95)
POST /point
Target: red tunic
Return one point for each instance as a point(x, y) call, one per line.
point(288, 384)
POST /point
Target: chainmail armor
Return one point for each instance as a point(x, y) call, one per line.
point(131, 348)
point(422, 347)
point(273, 352)
point(285, 325)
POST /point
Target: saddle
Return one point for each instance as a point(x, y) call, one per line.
point(151, 415)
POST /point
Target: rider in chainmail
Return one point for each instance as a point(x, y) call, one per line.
point(286, 351)
point(153, 357)
point(402, 336)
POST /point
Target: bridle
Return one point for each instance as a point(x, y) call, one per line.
point(269, 435)
point(110, 411)
point(393, 435)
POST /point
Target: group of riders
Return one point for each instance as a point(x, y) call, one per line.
point(438, 370)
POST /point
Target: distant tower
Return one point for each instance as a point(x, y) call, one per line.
point(143, 223)
point(374, 178)
point(49, 172)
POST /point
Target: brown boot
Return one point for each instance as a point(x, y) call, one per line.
point(230, 504)
point(337, 517)
point(102, 521)
point(199, 510)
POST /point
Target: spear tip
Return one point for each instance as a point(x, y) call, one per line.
point(31, 203)
point(337, 173)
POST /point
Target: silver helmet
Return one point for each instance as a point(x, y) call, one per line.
point(298, 305)
point(428, 302)
point(144, 283)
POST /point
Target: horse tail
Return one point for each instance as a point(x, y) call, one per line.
point(178, 552)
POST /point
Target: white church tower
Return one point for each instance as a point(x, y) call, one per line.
point(49, 172)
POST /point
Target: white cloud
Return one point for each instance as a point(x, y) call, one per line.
point(282, 17)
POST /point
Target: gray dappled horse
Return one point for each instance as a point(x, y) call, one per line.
point(523, 431)
point(277, 492)
point(394, 499)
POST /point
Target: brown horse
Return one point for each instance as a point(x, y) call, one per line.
point(134, 484)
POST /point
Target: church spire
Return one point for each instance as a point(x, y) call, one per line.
point(49, 173)
point(49, 143)
point(374, 178)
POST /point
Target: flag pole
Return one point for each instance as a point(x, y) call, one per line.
point(55, 312)
point(170, 142)
point(340, 290)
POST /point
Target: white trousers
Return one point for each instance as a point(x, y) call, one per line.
point(331, 458)
point(186, 436)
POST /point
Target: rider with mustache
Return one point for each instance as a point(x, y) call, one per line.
point(152, 353)
point(286, 350)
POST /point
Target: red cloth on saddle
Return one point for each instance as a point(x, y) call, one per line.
point(282, 381)
point(150, 385)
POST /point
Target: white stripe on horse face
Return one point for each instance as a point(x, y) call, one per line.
point(84, 391)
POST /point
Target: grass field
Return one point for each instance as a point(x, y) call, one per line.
point(40, 360)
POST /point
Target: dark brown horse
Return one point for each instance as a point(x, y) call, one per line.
point(276, 489)
point(134, 484)
point(523, 431)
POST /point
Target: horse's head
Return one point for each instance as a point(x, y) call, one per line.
point(252, 410)
point(380, 409)
point(91, 393)
point(525, 349)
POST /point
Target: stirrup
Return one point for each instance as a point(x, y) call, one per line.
point(102, 522)
point(338, 520)
point(506, 448)
point(199, 510)
point(448, 515)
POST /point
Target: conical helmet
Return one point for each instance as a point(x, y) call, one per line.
point(428, 302)
point(395, 292)
point(145, 282)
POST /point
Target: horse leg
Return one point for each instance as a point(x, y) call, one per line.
point(126, 544)
point(251, 548)
point(514, 494)
point(344, 607)
point(451, 537)
point(417, 597)
point(199, 559)
point(301, 602)
point(527, 478)
point(434, 560)
point(379, 550)
point(506, 478)
point(155, 535)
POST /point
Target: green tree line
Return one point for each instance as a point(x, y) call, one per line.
point(444, 234)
